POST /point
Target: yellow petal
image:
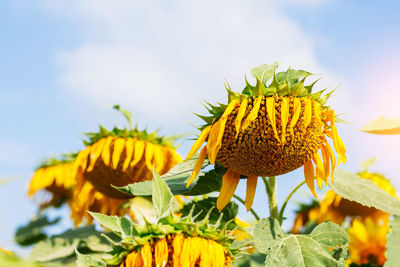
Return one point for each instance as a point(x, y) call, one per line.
point(230, 181)
point(307, 112)
point(198, 165)
point(80, 162)
point(331, 155)
point(205, 259)
point(199, 142)
point(240, 115)
point(159, 158)
point(325, 162)
point(212, 140)
point(138, 152)
point(149, 154)
point(217, 136)
point(161, 253)
point(270, 102)
point(105, 154)
point(146, 255)
point(296, 114)
point(330, 114)
point(317, 113)
point(309, 177)
point(95, 153)
point(320, 169)
point(253, 113)
point(284, 117)
point(383, 126)
point(250, 191)
point(339, 146)
point(119, 145)
point(129, 146)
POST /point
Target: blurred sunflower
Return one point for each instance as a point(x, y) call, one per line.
point(52, 181)
point(269, 130)
point(337, 209)
point(368, 241)
point(118, 157)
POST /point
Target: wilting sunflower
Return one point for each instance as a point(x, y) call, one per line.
point(368, 241)
point(53, 181)
point(118, 157)
point(268, 130)
point(176, 242)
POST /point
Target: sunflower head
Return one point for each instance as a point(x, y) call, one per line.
point(177, 242)
point(117, 157)
point(53, 180)
point(270, 128)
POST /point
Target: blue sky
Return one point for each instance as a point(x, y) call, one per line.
point(64, 63)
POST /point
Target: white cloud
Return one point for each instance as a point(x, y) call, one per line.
point(162, 58)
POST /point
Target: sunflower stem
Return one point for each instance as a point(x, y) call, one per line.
point(287, 200)
point(251, 209)
point(270, 185)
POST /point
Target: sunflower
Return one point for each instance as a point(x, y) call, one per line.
point(117, 158)
point(174, 241)
point(368, 241)
point(179, 250)
point(53, 181)
point(269, 130)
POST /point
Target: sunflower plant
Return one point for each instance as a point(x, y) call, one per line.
point(271, 127)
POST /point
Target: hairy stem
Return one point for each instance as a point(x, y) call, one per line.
point(251, 209)
point(270, 185)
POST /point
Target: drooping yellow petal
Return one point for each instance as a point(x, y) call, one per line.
point(253, 113)
point(284, 117)
point(205, 259)
point(330, 114)
point(199, 142)
point(339, 146)
point(219, 253)
point(331, 155)
point(129, 146)
point(159, 158)
point(177, 245)
point(34, 186)
point(296, 114)
point(325, 162)
point(198, 165)
point(149, 154)
point(230, 181)
point(217, 136)
point(161, 253)
point(307, 112)
point(250, 191)
point(185, 254)
point(317, 113)
point(95, 153)
point(138, 153)
point(105, 153)
point(146, 255)
point(270, 103)
point(212, 140)
point(309, 176)
point(119, 145)
point(240, 115)
point(320, 175)
point(80, 162)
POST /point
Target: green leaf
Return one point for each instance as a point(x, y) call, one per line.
point(64, 245)
point(203, 206)
point(253, 260)
point(352, 187)
point(325, 246)
point(162, 196)
point(176, 180)
point(33, 232)
point(13, 260)
point(89, 260)
point(263, 73)
point(294, 76)
point(393, 243)
point(120, 225)
point(383, 126)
